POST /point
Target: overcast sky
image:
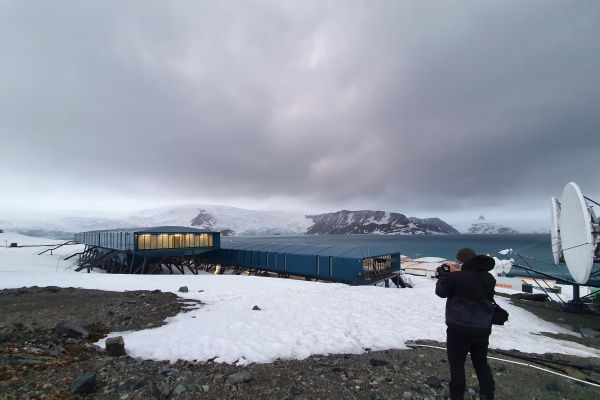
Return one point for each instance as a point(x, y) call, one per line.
point(445, 108)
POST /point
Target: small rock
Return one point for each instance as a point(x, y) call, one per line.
point(589, 333)
point(156, 291)
point(170, 372)
point(205, 388)
point(162, 390)
point(218, 378)
point(256, 308)
point(296, 390)
point(72, 341)
point(374, 395)
point(140, 383)
point(433, 381)
point(179, 389)
point(242, 376)
point(552, 386)
point(85, 384)
point(115, 346)
point(377, 363)
point(183, 289)
point(70, 329)
point(407, 395)
point(350, 374)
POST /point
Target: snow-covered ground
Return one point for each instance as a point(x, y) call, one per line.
point(296, 319)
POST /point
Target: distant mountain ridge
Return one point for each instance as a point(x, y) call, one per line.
point(485, 227)
point(376, 222)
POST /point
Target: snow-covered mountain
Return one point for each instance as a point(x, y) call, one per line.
point(238, 221)
point(487, 227)
point(378, 222)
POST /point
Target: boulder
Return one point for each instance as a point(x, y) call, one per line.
point(183, 289)
point(115, 346)
point(85, 384)
point(256, 308)
point(70, 329)
point(377, 363)
point(241, 377)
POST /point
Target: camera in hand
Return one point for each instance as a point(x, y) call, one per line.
point(443, 269)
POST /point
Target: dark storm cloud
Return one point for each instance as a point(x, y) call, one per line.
point(417, 105)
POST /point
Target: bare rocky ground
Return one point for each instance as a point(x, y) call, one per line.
point(35, 362)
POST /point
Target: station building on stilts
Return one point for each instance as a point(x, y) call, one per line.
point(176, 249)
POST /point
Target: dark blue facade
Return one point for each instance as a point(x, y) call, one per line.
point(350, 265)
point(151, 250)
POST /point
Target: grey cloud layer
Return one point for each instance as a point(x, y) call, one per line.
point(440, 105)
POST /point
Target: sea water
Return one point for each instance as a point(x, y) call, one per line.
point(530, 250)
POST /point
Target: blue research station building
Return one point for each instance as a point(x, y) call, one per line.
point(180, 249)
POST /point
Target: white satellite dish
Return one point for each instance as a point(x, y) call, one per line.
point(577, 241)
point(555, 232)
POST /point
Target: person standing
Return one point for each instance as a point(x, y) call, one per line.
point(469, 290)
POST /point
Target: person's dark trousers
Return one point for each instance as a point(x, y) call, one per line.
point(458, 345)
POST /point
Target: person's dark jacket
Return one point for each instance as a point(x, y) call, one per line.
point(470, 291)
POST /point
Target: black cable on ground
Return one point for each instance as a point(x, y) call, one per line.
point(414, 345)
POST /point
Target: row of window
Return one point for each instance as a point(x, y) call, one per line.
point(381, 263)
point(149, 241)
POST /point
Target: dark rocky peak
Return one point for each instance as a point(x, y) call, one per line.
point(203, 220)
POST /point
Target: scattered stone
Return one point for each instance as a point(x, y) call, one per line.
point(241, 377)
point(350, 374)
point(205, 388)
point(70, 329)
point(183, 289)
point(377, 363)
point(256, 308)
point(115, 346)
point(407, 395)
point(85, 384)
point(72, 341)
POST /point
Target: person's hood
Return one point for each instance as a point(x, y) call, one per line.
point(479, 263)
